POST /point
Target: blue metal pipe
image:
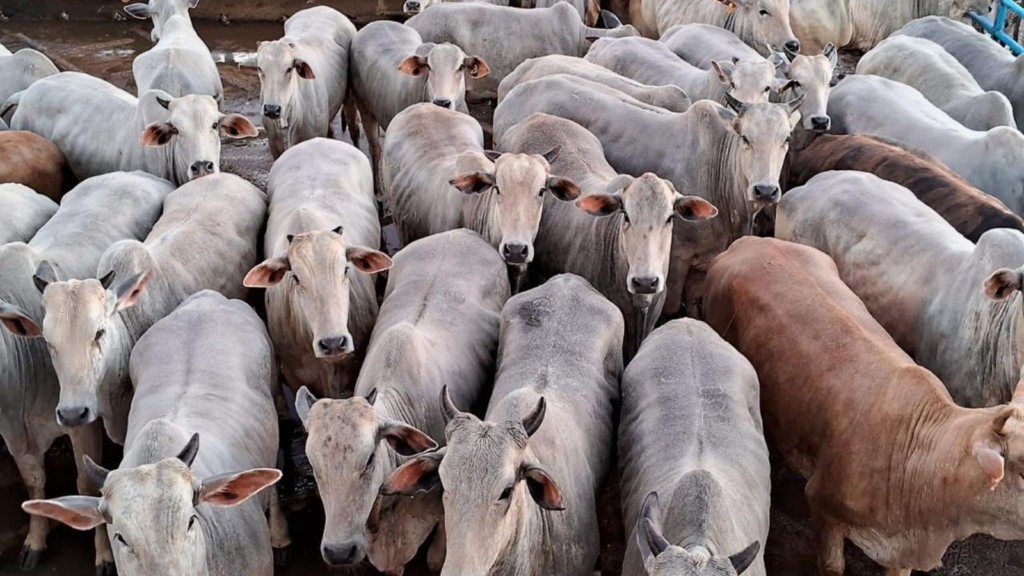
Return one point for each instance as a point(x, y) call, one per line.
point(996, 28)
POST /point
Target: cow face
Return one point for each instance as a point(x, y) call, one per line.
point(518, 184)
point(649, 206)
point(346, 448)
point(763, 132)
point(413, 7)
point(748, 80)
point(662, 558)
point(316, 269)
point(280, 70)
point(489, 477)
point(151, 512)
point(810, 76)
point(160, 11)
point(83, 333)
point(190, 132)
point(445, 67)
point(762, 23)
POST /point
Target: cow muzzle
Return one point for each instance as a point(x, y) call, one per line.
point(821, 123)
point(201, 168)
point(645, 285)
point(411, 7)
point(334, 347)
point(75, 416)
point(516, 253)
point(344, 554)
point(766, 193)
point(272, 111)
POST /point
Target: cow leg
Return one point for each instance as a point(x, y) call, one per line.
point(88, 441)
point(830, 541)
point(280, 539)
point(33, 473)
point(349, 118)
point(438, 549)
point(372, 130)
point(897, 572)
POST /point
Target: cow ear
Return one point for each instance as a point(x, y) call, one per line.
point(237, 126)
point(476, 67)
point(304, 401)
point(744, 558)
point(233, 489)
point(129, 291)
point(368, 260)
point(648, 529)
point(694, 208)
point(416, 475)
point(140, 11)
point(303, 69)
point(414, 65)
point(193, 3)
point(44, 275)
point(723, 71)
point(1002, 284)
point(474, 182)
point(158, 134)
point(17, 321)
point(268, 273)
point(542, 488)
point(991, 461)
point(79, 512)
point(563, 188)
point(600, 204)
point(404, 439)
point(831, 53)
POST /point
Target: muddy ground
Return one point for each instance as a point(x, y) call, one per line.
point(106, 48)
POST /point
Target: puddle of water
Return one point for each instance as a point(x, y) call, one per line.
point(240, 58)
point(115, 53)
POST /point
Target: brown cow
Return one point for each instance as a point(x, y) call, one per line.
point(969, 210)
point(28, 159)
point(892, 463)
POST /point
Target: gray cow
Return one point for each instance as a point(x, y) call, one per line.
point(702, 45)
point(758, 23)
point(322, 224)
point(731, 158)
point(703, 511)
point(101, 128)
point(994, 67)
point(520, 486)
point(19, 70)
point(670, 97)
point(176, 505)
point(438, 327)
point(926, 66)
point(206, 238)
point(22, 212)
point(538, 32)
point(887, 245)
point(94, 215)
point(393, 68)
point(304, 77)
point(438, 178)
point(618, 236)
point(993, 161)
point(180, 63)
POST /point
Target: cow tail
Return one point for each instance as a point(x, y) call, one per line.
point(10, 105)
point(349, 118)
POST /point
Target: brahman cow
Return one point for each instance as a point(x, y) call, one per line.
point(22, 212)
point(29, 159)
point(761, 24)
point(892, 463)
point(161, 11)
point(716, 488)
point(321, 246)
point(94, 215)
point(993, 160)
point(19, 70)
point(101, 128)
point(438, 326)
point(618, 236)
point(969, 210)
point(923, 64)
point(520, 486)
point(730, 158)
point(176, 505)
point(304, 77)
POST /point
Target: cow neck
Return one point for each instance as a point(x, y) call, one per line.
point(732, 200)
point(1001, 339)
point(479, 215)
point(393, 404)
point(117, 360)
point(532, 525)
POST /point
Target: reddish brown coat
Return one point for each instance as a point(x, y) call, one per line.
point(28, 159)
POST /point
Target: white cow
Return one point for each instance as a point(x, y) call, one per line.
point(414, 7)
point(160, 11)
point(19, 70)
point(758, 23)
point(101, 128)
point(304, 77)
point(22, 212)
point(178, 505)
point(321, 242)
point(94, 215)
point(438, 327)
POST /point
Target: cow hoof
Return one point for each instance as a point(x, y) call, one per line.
point(283, 556)
point(29, 558)
point(106, 569)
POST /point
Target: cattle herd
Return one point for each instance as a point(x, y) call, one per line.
point(688, 244)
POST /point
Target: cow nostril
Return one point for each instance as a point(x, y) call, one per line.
point(645, 285)
point(73, 416)
point(515, 253)
point(767, 193)
point(341, 555)
point(202, 167)
point(443, 102)
point(793, 45)
point(821, 122)
point(412, 6)
point(332, 346)
point(271, 111)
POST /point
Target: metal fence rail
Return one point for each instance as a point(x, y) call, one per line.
point(997, 26)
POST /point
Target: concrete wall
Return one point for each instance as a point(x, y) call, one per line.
point(272, 10)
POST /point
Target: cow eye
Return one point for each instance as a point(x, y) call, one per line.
point(765, 12)
point(496, 189)
point(506, 493)
point(625, 217)
point(289, 70)
point(794, 84)
point(216, 126)
point(542, 191)
point(461, 68)
point(745, 140)
point(120, 539)
point(191, 522)
point(100, 334)
point(788, 140)
point(295, 279)
point(669, 221)
point(767, 89)
point(370, 461)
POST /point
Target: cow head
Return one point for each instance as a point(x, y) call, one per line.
point(763, 132)
point(748, 80)
point(649, 206)
point(810, 76)
point(151, 511)
point(316, 268)
point(445, 68)
point(661, 558)
point(761, 23)
point(160, 11)
point(518, 184)
point(280, 69)
point(414, 7)
point(189, 128)
point(489, 475)
point(347, 450)
point(960, 7)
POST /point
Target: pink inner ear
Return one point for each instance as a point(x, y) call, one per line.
point(992, 464)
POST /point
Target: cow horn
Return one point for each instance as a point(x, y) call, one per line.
point(188, 453)
point(339, 230)
point(448, 408)
point(96, 474)
point(795, 102)
point(290, 237)
point(108, 279)
point(533, 421)
point(649, 525)
point(738, 106)
point(44, 274)
point(371, 397)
